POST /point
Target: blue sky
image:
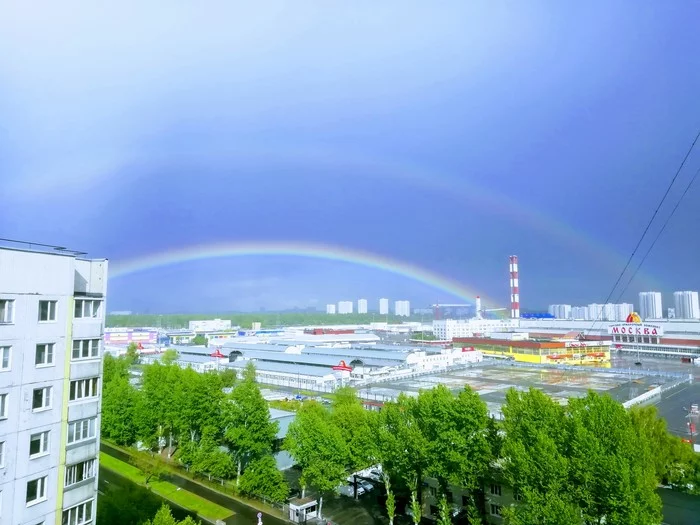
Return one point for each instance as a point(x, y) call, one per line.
point(449, 136)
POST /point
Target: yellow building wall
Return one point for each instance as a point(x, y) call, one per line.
point(541, 358)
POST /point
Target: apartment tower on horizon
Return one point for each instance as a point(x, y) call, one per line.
point(52, 306)
point(650, 305)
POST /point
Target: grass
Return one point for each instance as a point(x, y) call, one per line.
point(187, 500)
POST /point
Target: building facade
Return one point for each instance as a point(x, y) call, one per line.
point(362, 306)
point(383, 306)
point(560, 311)
point(402, 308)
point(52, 308)
point(650, 305)
point(210, 325)
point(686, 305)
point(345, 307)
point(447, 329)
point(330, 309)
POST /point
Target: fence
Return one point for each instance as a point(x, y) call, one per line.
point(580, 368)
point(646, 396)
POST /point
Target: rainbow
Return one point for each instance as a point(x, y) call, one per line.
point(296, 249)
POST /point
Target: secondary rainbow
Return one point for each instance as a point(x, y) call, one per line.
point(295, 249)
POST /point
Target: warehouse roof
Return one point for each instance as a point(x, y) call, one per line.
point(288, 368)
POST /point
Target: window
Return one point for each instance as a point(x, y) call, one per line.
point(7, 311)
point(80, 472)
point(5, 358)
point(41, 399)
point(81, 430)
point(44, 354)
point(86, 348)
point(2, 454)
point(47, 311)
point(36, 490)
point(496, 490)
point(39, 444)
point(87, 308)
point(3, 406)
point(78, 515)
point(495, 510)
point(83, 389)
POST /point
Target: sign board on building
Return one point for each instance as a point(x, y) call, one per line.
point(636, 329)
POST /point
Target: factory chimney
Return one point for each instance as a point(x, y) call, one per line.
point(514, 288)
point(478, 307)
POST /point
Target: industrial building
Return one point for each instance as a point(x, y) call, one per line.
point(520, 347)
point(126, 336)
point(676, 338)
point(447, 329)
point(52, 304)
point(210, 325)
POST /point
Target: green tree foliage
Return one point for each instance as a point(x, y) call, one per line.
point(444, 512)
point(169, 356)
point(249, 433)
point(200, 340)
point(118, 409)
point(416, 507)
point(318, 447)
point(390, 499)
point(164, 516)
point(132, 354)
point(584, 463)
point(210, 458)
point(151, 465)
point(115, 367)
point(262, 479)
point(358, 427)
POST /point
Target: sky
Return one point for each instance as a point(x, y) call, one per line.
point(446, 136)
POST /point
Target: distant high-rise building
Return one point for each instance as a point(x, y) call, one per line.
point(650, 305)
point(402, 308)
point(560, 311)
point(687, 305)
point(345, 307)
point(579, 312)
point(362, 306)
point(671, 313)
point(330, 309)
point(383, 306)
point(622, 311)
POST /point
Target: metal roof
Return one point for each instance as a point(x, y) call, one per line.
point(290, 369)
point(320, 358)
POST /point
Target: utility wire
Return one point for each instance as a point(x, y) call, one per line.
point(646, 230)
point(668, 219)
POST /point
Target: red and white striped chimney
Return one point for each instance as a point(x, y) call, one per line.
point(514, 288)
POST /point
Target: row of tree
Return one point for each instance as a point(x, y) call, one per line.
point(226, 435)
point(591, 461)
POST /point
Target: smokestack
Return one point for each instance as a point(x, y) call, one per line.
point(514, 288)
point(478, 307)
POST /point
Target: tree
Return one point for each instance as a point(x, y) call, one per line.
point(152, 466)
point(200, 340)
point(164, 516)
point(262, 479)
point(132, 354)
point(358, 427)
point(390, 499)
point(114, 368)
point(249, 432)
point(416, 507)
point(209, 458)
point(318, 447)
point(118, 407)
point(444, 512)
point(169, 356)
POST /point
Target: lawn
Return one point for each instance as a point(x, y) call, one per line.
point(181, 497)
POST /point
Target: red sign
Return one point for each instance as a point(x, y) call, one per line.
point(218, 353)
point(635, 330)
point(342, 367)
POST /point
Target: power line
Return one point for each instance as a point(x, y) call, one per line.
point(648, 226)
point(663, 227)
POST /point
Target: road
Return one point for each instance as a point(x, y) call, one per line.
point(243, 512)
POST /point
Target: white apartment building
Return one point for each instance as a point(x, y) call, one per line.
point(362, 306)
point(650, 305)
point(670, 313)
point(687, 305)
point(383, 306)
point(330, 309)
point(579, 312)
point(210, 325)
point(51, 325)
point(560, 311)
point(345, 307)
point(402, 308)
point(447, 329)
